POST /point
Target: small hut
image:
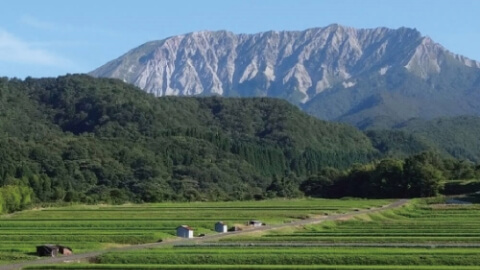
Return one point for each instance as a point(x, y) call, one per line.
point(65, 250)
point(47, 250)
point(255, 223)
point(184, 231)
point(221, 227)
point(235, 229)
point(53, 250)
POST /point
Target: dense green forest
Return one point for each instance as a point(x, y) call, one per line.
point(455, 137)
point(76, 138)
point(420, 175)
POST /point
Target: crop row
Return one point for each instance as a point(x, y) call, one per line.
point(249, 267)
point(274, 216)
point(304, 203)
point(258, 249)
point(378, 239)
point(292, 256)
point(101, 238)
point(418, 224)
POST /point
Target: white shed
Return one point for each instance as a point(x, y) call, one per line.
point(184, 231)
point(221, 227)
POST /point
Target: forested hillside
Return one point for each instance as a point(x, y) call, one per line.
point(455, 137)
point(76, 138)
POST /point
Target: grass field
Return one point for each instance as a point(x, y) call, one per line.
point(418, 236)
point(296, 256)
point(87, 228)
point(254, 267)
point(423, 224)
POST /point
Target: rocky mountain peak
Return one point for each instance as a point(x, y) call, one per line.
point(303, 62)
point(299, 66)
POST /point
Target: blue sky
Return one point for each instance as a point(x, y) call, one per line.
point(53, 37)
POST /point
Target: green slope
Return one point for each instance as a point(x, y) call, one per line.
point(383, 101)
point(76, 138)
point(457, 136)
point(454, 137)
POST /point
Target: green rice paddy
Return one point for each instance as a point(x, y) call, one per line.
point(88, 228)
point(416, 236)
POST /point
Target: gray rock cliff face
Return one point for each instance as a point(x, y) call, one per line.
point(294, 65)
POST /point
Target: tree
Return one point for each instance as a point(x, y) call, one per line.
point(389, 179)
point(422, 178)
point(284, 187)
point(317, 186)
point(14, 198)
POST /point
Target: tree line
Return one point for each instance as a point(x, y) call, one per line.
point(420, 175)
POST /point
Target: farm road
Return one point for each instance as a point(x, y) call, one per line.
point(89, 255)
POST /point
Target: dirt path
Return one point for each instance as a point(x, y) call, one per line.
point(85, 256)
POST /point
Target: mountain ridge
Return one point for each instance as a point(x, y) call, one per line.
point(303, 67)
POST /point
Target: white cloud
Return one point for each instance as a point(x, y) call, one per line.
point(15, 50)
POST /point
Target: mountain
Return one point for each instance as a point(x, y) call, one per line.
point(78, 138)
point(454, 137)
point(367, 77)
point(457, 136)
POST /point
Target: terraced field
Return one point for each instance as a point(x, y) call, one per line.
point(418, 236)
point(415, 225)
point(281, 256)
point(87, 228)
